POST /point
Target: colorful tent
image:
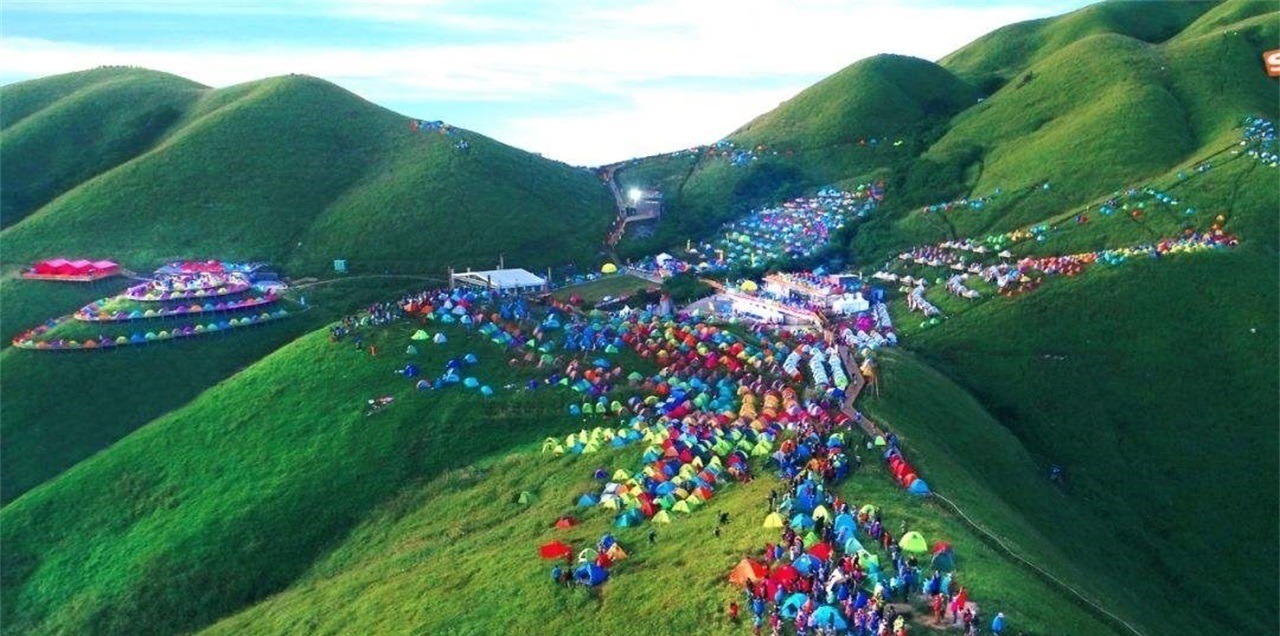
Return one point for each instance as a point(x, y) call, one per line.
point(555, 550)
point(914, 542)
point(747, 571)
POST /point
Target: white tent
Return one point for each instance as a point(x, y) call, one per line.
point(503, 280)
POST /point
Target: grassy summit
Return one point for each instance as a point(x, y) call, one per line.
point(291, 170)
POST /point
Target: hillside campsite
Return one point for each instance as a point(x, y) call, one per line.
point(976, 340)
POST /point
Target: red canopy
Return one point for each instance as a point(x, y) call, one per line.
point(555, 550)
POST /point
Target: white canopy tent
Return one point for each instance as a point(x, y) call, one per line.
point(501, 280)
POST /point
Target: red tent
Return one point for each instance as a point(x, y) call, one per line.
point(555, 550)
point(821, 550)
point(785, 575)
point(53, 267)
point(566, 522)
point(102, 268)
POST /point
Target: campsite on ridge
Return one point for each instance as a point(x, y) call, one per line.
point(981, 345)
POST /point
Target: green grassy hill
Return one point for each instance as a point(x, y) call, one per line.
point(101, 397)
point(840, 129)
point(234, 486)
point(270, 504)
point(58, 132)
point(291, 170)
point(993, 59)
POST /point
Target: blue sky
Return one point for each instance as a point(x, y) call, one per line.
point(583, 81)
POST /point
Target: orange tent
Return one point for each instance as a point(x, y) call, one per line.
point(747, 571)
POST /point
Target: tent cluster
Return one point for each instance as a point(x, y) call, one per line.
point(451, 376)
point(33, 339)
point(79, 270)
point(968, 257)
point(718, 407)
point(592, 565)
point(970, 203)
point(795, 229)
point(182, 286)
point(210, 267)
point(836, 566)
point(956, 285)
point(869, 330)
point(1258, 137)
point(102, 310)
point(917, 302)
point(437, 126)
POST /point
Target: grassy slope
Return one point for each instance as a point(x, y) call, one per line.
point(1103, 113)
point(59, 132)
point(297, 171)
point(61, 408)
point(616, 286)
point(229, 498)
point(816, 133)
point(1004, 53)
point(456, 557)
point(290, 170)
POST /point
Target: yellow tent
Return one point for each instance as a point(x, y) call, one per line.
point(749, 286)
point(773, 520)
point(661, 517)
point(608, 268)
point(821, 512)
point(681, 507)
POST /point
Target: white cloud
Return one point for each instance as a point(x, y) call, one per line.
point(632, 54)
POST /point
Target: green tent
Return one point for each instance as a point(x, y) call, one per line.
point(420, 335)
point(525, 498)
point(914, 542)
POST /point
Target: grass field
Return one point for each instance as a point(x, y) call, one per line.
point(615, 286)
point(105, 395)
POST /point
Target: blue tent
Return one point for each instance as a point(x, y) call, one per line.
point(805, 564)
point(791, 606)
point(919, 487)
point(590, 574)
point(486, 390)
point(801, 521)
point(846, 524)
point(852, 546)
point(588, 500)
point(828, 617)
point(629, 518)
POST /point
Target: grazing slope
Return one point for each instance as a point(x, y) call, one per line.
point(291, 170)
